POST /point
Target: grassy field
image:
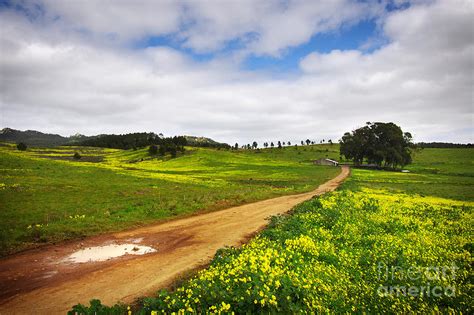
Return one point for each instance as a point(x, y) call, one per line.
point(47, 196)
point(385, 242)
point(447, 173)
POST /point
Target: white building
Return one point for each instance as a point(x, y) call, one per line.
point(326, 162)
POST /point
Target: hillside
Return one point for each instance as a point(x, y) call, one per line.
point(59, 197)
point(32, 137)
point(40, 139)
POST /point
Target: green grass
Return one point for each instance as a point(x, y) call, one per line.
point(330, 255)
point(46, 196)
point(457, 162)
point(447, 173)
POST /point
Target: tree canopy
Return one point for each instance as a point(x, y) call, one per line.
point(383, 144)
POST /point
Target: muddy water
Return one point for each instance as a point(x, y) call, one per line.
point(106, 252)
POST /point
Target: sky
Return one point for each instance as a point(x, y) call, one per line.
point(238, 71)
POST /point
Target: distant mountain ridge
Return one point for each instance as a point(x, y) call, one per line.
point(37, 138)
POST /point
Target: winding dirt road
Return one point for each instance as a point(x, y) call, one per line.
point(39, 281)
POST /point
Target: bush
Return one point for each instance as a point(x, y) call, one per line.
point(21, 146)
point(96, 308)
point(77, 156)
point(162, 149)
point(153, 149)
point(173, 151)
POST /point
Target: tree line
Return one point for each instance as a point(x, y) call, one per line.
point(170, 145)
point(215, 145)
point(132, 141)
point(278, 144)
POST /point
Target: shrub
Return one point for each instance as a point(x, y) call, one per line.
point(96, 308)
point(153, 149)
point(77, 156)
point(162, 149)
point(173, 150)
point(21, 146)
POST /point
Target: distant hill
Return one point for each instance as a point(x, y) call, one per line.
point(36, 138)
point(443, 145)
point(204, 142)
point(32, 137)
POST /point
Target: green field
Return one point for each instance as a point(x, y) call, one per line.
point(447, 173)
point(385, 242)
point(47, 196)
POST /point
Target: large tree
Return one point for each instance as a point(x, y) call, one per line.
point(383, 144)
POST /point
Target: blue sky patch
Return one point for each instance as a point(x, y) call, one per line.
point(349, 38)
point(346, 38)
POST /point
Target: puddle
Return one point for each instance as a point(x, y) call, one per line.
point(136, 240)
point(102, 253)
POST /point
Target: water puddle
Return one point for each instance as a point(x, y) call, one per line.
point(136, 240)
point(106, 252)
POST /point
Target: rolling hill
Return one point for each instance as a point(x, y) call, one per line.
point(39, 139)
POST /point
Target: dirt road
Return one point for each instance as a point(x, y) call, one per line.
point(40, 281)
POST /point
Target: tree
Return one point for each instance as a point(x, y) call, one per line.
point(383, 144)
point(236, 146)
point(302, 142)
point(162, 150)
point(308, 142)
point(153, 149)
point(330, 141)
point(173, 151)
point(279, 144)
point(254, 144)
point(271, 144)
point(76, 156)
point(21, 146)
point(289, 143)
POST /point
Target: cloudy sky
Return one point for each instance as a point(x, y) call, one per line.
point(238, 70)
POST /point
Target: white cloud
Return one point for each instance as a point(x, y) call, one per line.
point(335, 62)
point(263, 27)
point(122, 18)
point(57, 80)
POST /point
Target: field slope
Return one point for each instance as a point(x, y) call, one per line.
point(47, 196)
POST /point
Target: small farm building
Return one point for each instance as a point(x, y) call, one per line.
point(326, 162)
